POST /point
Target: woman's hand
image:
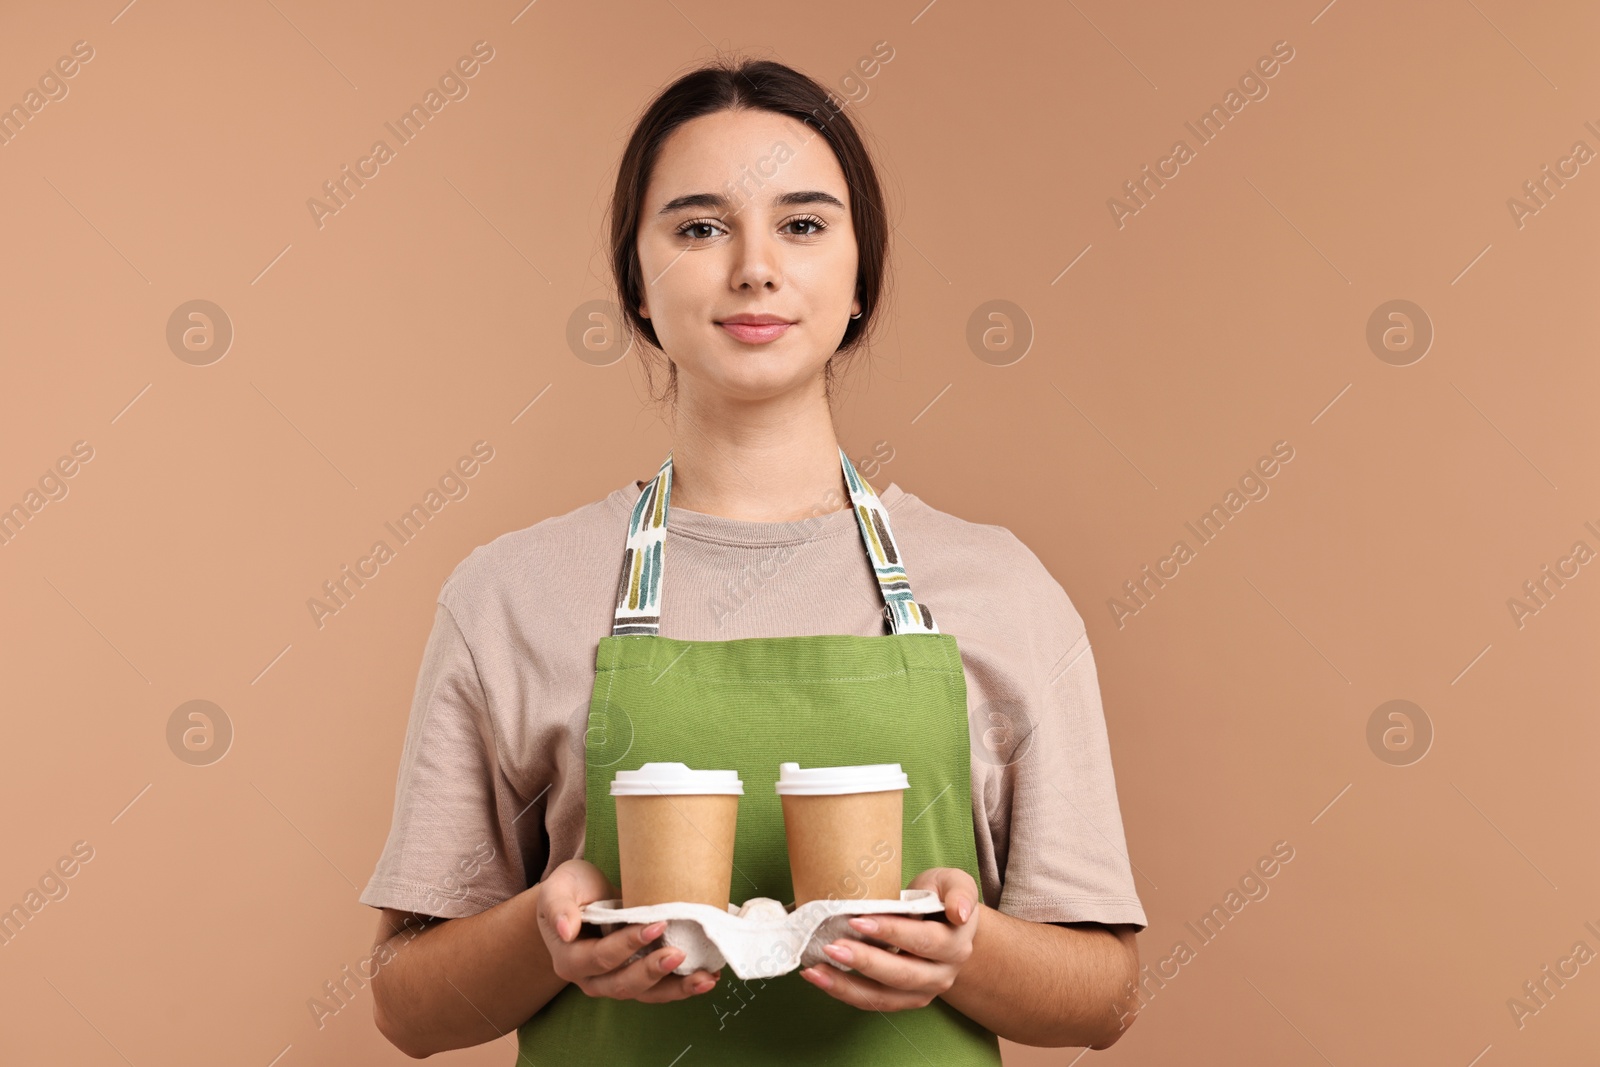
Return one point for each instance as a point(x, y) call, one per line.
point(931, 954)
point(596, 964)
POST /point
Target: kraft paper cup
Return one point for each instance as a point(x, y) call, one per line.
point(675, 830)
point(843, 828)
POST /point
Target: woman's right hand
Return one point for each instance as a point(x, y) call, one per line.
point(596, 964)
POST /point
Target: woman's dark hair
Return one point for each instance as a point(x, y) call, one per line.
point(758, 85)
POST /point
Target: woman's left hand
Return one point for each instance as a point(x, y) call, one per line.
point(931, 953)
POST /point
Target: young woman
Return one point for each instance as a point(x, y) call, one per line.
point(764, 612)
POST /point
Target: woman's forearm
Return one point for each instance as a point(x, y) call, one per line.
point(464, 981)
point(1041, 984)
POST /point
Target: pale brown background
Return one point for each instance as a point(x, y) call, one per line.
point(1229, 314)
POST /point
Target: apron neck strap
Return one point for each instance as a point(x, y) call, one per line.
point(638, 608)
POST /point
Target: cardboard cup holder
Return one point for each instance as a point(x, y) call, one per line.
point(760, 938)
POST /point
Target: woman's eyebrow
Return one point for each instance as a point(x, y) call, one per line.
point(718, 202)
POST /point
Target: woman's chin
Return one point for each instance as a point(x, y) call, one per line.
point(753, 383)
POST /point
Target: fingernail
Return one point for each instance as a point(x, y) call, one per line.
point(816, 975)
point(964, 910)
point(561, 927)
point(653, 931)
point(865, 925)
point(838, 952)
point(703, 985)
point(670, 960)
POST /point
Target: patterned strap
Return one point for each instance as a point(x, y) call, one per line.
point(639, 590)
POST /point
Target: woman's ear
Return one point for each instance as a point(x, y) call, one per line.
point(644, 310)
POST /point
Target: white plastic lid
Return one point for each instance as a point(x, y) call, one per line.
point(674, 779)
point(825, 781)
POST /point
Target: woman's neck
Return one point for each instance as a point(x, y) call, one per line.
point(775, 462)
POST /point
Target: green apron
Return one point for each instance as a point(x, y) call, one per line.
point(748, 705)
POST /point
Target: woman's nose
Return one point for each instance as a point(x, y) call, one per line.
point(758, 262)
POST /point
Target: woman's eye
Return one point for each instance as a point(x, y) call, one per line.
point(705, 230)
point(817, 226)
point(698, 231)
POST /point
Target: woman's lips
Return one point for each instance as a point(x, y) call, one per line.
point(756, 333)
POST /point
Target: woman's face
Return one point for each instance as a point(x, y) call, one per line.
point(747, 214)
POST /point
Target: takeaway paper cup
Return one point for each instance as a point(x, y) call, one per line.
point(675, 829)
point(843, 829)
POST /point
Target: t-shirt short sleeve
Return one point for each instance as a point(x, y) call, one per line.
point(1067, 857)
point(453, 848)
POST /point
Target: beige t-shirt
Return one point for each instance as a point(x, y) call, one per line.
point(490, 792)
